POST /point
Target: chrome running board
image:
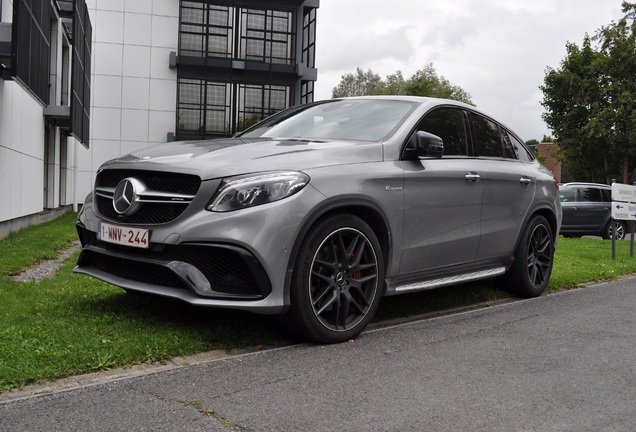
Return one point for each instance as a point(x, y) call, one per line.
point(451, 280)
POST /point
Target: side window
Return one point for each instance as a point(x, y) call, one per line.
point(487, 136)
point(607, 195)
point(591, 195)
point(522, 152)
point(508, 150)
point(448, 124)
point(567, 195)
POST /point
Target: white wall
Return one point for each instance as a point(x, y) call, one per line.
point(133, 100)
point(21, 152)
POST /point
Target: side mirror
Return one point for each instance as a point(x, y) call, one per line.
point(429, 144)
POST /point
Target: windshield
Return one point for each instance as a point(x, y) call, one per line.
point(357, 120)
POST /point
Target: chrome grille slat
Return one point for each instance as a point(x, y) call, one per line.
point(166, 197)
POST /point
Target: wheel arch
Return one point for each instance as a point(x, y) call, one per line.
point(368, 211)
point(551, 217)
point(547, 213)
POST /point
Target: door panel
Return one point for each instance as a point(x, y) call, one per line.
point(442, 211)
point(509, 189)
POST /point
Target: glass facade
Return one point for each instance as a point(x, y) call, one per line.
point(239, 63)
point(206, 30)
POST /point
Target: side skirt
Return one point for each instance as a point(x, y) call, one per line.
point(445, 281)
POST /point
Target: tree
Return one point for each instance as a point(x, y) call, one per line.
point(590, 102)
point(617, 117)
point(547, 139)
point(358, 84)
point(425, 82)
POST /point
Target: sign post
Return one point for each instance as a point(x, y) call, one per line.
point(623, 208)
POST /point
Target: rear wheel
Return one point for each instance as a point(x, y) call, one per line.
point(614, 226)
point(533, 259)
point(337, 282)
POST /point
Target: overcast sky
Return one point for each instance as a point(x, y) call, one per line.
point(496, 50)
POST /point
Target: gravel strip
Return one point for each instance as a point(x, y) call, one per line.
point(47, 268)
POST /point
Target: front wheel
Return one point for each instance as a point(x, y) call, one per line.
point(533, 259)
point(337, 282)
point(614, 226)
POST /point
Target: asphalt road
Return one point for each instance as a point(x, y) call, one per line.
point(563, 362)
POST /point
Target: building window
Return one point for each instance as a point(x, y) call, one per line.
point(266, 35)
point(306, 92)
point(259, 101)
point(204, 108)
point(309, 38)
point(239, 63)
point(206, 30)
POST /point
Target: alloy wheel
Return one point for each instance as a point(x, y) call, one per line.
point(617, 229)
point(539, 255)
point(343, 280)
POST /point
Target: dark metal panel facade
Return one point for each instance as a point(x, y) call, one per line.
point(81, 73)
point(31, 46)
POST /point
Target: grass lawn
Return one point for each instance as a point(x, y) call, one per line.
point(71, 324)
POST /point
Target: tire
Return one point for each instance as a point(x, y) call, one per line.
point(620, 230)
point(530, 272)
point(337, 282)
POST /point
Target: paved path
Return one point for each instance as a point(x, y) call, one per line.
point(564, 362)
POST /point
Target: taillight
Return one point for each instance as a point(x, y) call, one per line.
point(556, 184)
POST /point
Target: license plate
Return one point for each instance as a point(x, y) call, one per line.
point(123, 235)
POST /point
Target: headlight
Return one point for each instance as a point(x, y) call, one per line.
point(251, 190)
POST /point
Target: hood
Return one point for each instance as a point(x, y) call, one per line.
point(227, 157)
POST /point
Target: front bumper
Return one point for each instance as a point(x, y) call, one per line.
point(213, 271)
point(240, 260)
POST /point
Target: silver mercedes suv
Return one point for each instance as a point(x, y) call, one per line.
point(320, 210)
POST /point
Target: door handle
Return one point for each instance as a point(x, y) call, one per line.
point(525, 180)
point(472, 176)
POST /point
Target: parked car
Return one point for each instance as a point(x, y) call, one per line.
point(587, 211)
point(320, 210)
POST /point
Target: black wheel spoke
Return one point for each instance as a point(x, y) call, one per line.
point(358, 299)
point(326, 290)
point(326, 278)
point(343, 313)
point(364, 279)
point(328, 303)
point(341, 249)
point(330, 265)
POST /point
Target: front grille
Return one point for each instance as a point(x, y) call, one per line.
point(132, 270)
point(231, 271)
point(226, 270)
point(148, 213)
point(159, 181)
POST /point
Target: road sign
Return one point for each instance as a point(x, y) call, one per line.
point(623, 192)
point(623, 211)
point(624, 208)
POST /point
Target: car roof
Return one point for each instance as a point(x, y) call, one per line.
point(598, 185)
point(416, 99)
